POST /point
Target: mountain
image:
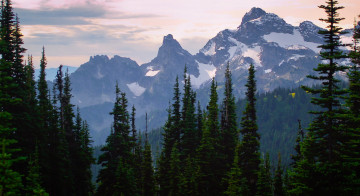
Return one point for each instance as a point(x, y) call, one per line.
point(283, 55)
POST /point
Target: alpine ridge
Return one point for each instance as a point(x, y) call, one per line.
point(283, 55)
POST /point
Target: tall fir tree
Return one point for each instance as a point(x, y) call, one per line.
point(137, 152)
point(249, 153)
point(352, 115)
point(117, 175)
point(171, 136)
point(189, 139)
point(84, 154)
point(148, 180)
point(208, 153)
point(176, 114)
point(229, 131)
point(299, 138)
point(328, 138)
point(7, 31)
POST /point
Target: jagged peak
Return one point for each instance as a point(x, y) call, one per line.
point(99, 58)
point(169, 43)
point(254, 13)
point(169, 37)
point(309, 26)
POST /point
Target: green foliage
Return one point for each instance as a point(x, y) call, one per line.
point(228, 125)
point(148, 180)
point(324, 150)
point(189, 132)
point(278, 113)
point(175, 171)
point(264, 183)
point(249, 155)
point(117, 175)
point(209, 153)
point(33, 180)
point(237, 184)
point(10, 180)
point(188, 183)
point(278, 179)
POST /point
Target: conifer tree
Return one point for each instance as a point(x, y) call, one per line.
point(229, 132)
point(278, 179)
point(331, 174)
point(18, 66)
point(33, 180)
point(189, 134)
point(171, 136)
point(176, 115)
point(133, 129)
point(22, 111)
point(84, 159)
point(117, 175)
point(50, 157)
point(148, 180)
point(7, 31)
point(208, 155)
point(43, 99)
point(137, 152)
point(30, 96)
point(175, 172)
point(10, 180)
point(264, 183)
point(199, 116)
point(236, 181)
point(352, 115)
point(249, 154)
point(188, 183)
point(60, 91)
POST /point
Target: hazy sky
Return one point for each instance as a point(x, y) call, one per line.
point(74, 30)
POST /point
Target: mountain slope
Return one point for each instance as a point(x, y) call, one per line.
point(282, 54)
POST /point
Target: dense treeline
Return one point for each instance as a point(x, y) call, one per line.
point(204, 153)
point(45, 145)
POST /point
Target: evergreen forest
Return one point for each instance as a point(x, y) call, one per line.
point(301, 141)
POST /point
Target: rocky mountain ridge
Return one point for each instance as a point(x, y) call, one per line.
point(282, 54)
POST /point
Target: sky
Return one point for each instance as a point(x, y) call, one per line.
point(73, 30)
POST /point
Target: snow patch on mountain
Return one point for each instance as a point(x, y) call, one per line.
point(151, 72)
point(294, 40)
point(210, 51)
point(294, 57)
point(136, 89)
point(207, 71)
point(268, 70)
point(245, 51)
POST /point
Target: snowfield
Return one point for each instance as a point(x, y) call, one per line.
point(136, 89)
point(207, 71)
point(292, 41)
